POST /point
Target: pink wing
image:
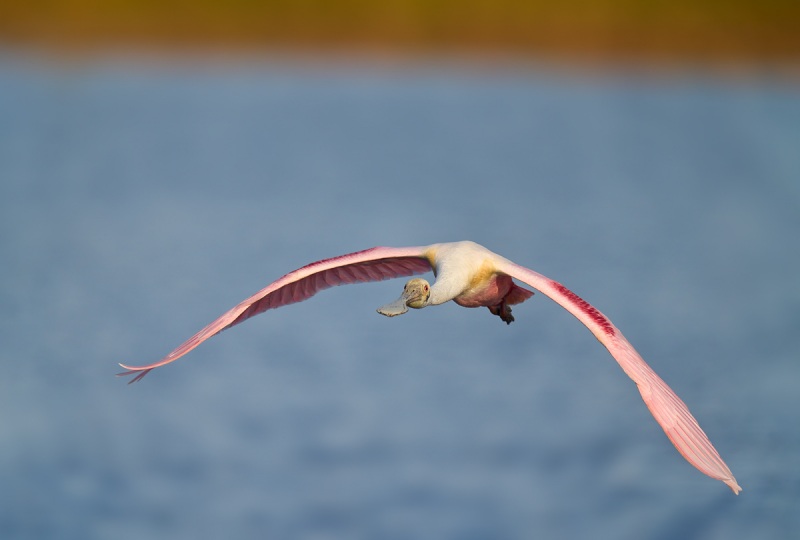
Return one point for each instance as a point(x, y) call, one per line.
point(667, 408)
point(374, 264)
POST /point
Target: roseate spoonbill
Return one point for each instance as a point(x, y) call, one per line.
point(471, 276)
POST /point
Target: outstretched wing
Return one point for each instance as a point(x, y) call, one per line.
point(373, 264)
point(667, 408)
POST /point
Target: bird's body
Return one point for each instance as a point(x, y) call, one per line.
point(472, 276)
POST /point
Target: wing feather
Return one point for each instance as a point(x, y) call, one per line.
point(667, 408)
point(373, 264)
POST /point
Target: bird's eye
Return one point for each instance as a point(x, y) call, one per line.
point(426, 288)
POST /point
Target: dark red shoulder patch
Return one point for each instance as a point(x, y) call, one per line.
point(587, 308)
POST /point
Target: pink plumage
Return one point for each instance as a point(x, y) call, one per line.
point(374, 264)
point(472, 276)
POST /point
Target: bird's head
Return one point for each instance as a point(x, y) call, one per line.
point(415, 295)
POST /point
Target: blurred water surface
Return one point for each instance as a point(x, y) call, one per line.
point(140, 200)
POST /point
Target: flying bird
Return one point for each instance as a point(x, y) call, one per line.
point(471, 276)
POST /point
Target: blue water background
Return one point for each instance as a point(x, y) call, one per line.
point(140, 199)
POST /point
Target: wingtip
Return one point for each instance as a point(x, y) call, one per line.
point(132, 370)
point(127, 367)
point(731, 483)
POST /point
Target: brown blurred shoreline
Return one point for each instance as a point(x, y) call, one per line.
point(734, 33)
